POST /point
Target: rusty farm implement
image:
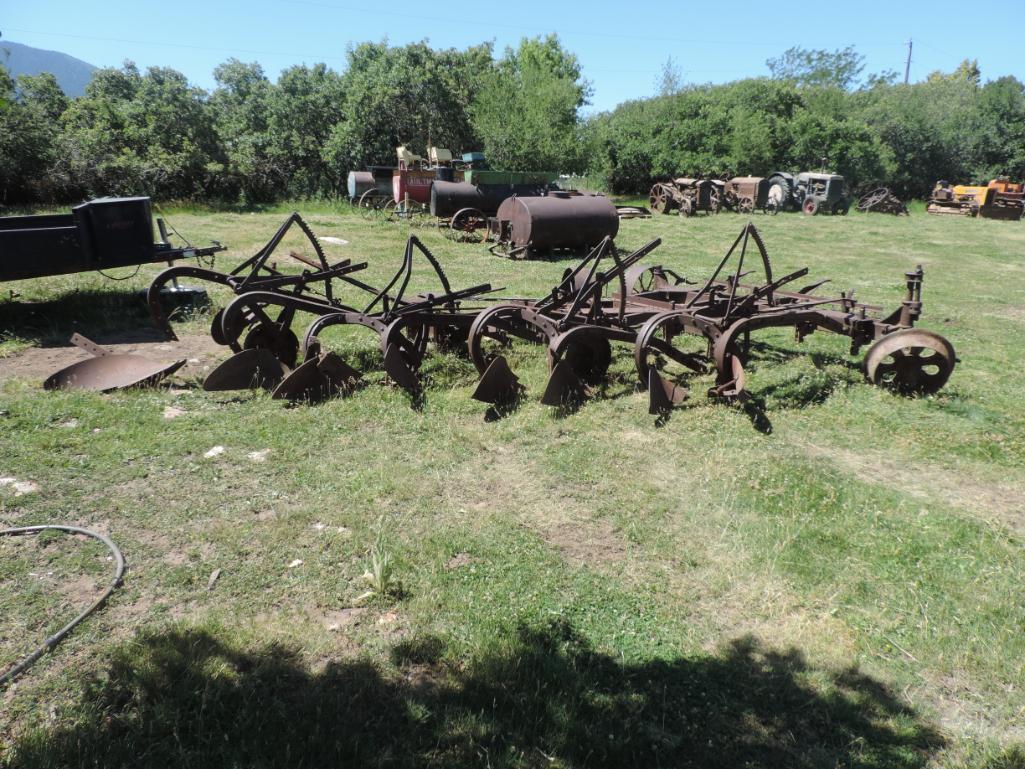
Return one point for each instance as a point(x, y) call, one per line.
point(404, 325)
point(677, 328)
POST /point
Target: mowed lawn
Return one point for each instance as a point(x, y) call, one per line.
point(831, 576)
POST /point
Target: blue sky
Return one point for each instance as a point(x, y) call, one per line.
point(622, 46)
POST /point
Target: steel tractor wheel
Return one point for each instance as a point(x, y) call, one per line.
point(686, 207)
point(910, 362)
point(810, 207)
point(746, 206)
point(660, 199)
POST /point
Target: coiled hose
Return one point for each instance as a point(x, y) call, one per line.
point(56, 638)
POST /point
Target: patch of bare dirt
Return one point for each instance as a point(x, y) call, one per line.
point(591, 543)
point(459, 560)
point(37, 363)
point(988, 500)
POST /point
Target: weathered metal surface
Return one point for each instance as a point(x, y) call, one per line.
point(403, 324)
point(686, 196)
point(882, 201)
point(101, 234)
point(259, 272)
point(662, 316)
point(447, 198)
point(108, 370)
point(745, 194)
point(555, 222)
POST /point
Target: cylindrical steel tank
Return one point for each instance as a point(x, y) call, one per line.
point(449, 197)
point(378, 178)
point(358, 183)
point(559, 220)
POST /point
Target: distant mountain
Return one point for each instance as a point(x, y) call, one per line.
point(72, 74)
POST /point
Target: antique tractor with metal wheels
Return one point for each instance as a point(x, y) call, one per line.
point(745, 194)
point(684, 195)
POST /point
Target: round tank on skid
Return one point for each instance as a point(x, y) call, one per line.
point(557, 221)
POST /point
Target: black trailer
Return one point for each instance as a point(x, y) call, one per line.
point(97, 235)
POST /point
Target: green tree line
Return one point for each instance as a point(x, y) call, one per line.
point(251, 140)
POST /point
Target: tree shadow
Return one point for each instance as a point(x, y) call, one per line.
point(543, 697)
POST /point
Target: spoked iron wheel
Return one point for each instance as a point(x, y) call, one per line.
point(663, 345)
point(910, 362)
point(468, 225)
point(493, 329)
point(370, 204)
point(660, 199)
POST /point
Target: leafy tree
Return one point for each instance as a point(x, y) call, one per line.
point(303, 109)
point(527, 108)
point(132, 134)
point(240, 106)
point(670, 79)
point(405, 95)
point(30, 138)
point(840, 68)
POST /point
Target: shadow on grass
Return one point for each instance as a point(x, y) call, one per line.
point(540, 698)
point(113, 316)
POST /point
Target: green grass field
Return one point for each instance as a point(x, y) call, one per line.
point(834, 579)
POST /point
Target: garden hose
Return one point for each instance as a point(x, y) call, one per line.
point(56, 638)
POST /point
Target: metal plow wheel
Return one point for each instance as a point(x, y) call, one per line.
point(661, 355)
point(108, 370)
point(910, 362)
point(468, 225)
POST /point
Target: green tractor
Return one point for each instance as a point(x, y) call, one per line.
point(812, 193)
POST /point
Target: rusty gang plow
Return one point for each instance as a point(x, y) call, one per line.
point(661, 315)
point(675, 328)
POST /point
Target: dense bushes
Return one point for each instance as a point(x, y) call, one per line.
point(251, 140)
point(907, 136)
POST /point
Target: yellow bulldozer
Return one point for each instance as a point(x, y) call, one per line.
point(1000, 199)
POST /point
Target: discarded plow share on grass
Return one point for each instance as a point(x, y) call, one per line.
point(661, 315)
point(404, 327)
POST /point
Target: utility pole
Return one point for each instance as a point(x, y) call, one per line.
point(907, 67)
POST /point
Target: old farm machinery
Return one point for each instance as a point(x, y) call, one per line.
point(685, 195)
point(101, 234)
point(260, 272)
point(882, 201)
point(660, 315)
point(257, 326)
point(560, 222)
point(1000, 199)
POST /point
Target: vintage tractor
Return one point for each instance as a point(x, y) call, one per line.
point(812, 193)
point(1000, 199)
point(685, 195)
point(822, 193)
point(745, 194)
